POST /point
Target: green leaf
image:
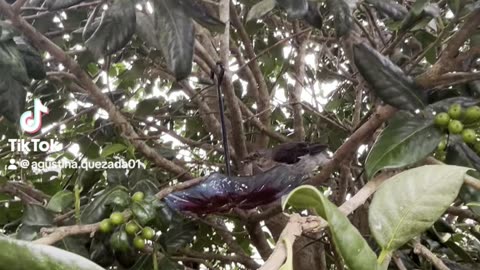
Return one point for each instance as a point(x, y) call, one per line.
point(113, 149)
point(388, 81)
point(454, 6)
point(32, 59)
point(60, 4)
point(116, 27)
point(147, 106)
point(117, 177)
point(443, 105)
point(174, 29)
point(60, 201)
point(147, 32)
point(14, 77)
point(12, 99)
point(390, 8)
point(97, 209)
point(75, 245)
point(342, 16)
point(119, 241)
point(295, 9)
point(459, 153)
point(178, 236)
point(410, 202)
point(37, 215)
point(144, 211)
point(146, 186)
point(167, 263)
point(198, 12)
point(19, 255)
point(313, 16)
point(349, 242)
point(422, 12)
point(404, 142)
point(260, 9)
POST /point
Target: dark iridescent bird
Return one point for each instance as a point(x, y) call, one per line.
point(290, 164)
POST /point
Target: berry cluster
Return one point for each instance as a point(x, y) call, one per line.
point(119, 240)
point(461, 121)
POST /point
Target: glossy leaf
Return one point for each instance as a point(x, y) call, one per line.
point(410, 202)
point(342, 16)
point(60, 201)
point(403, 142)
point(75, 245)
point(114, 31)
point(144, 211)
point(19, 255)
point(353, 248)
point(112, 149)
point(60, 4)
point(175, 31)
point(119, 241)
point(117, 177)
point(37, 215)
point(32, 59)
point(12, 99)
point(313, 16)
point(197, 11)
point(178, 236)
point(443, 105)
point(14, 77)
point(388, 81)
point(146, 30)
point(260, 9)
point(454, 6)
point(458, 153)
point(146, 186)
point(421, 10)
point(97, 209)
point(295, 9)
point(390, 8)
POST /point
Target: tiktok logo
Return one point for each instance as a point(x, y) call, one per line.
point(31, 122)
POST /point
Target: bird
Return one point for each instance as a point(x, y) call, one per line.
point(290, 165)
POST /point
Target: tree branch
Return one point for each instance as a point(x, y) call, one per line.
point(298, 225)
point(100, 98)
point(263, 98)
point(353, 142)
point(296, 94)
point(239, 139)
point(427, 254)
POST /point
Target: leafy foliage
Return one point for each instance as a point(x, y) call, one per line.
point(406, 141)
point(411, 202)
point(388, 81)
point(348, 240)
point(40, 257)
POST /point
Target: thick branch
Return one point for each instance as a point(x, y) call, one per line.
point(444, 64)
point(61, 232)
point(296, 94)
point(239, 139)
point(353, 142)
point(263, 98)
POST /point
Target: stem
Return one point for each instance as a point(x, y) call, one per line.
point(384, 256)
